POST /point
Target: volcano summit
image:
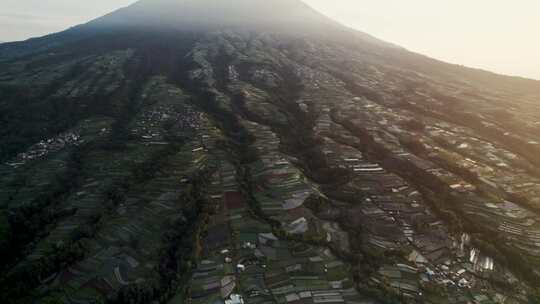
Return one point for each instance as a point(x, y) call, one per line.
point(258, 152)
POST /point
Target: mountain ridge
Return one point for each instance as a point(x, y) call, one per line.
point(228, 162)
point(189, 15)
point(125, 17)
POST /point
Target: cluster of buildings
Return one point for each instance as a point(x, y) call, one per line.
point(45, 147)
point(171, 113)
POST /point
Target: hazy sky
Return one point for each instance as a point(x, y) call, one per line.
point(498, 35)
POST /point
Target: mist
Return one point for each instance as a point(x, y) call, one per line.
point(493, 35)
point(282, 15)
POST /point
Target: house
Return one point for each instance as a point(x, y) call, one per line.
point(417, 258)
point(298, 226)
point(235, 299)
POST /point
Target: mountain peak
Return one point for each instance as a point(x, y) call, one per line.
point(203, 14)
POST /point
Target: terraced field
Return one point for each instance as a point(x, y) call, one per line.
point(260, 164)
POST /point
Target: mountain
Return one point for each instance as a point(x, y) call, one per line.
point(206, 14)
point(257, 151)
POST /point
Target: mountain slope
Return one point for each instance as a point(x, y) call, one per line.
point(190, 150)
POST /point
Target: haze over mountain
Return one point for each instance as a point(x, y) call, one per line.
point(185, 15)
point(257, 151)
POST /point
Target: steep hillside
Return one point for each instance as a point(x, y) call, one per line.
point(206, 151)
